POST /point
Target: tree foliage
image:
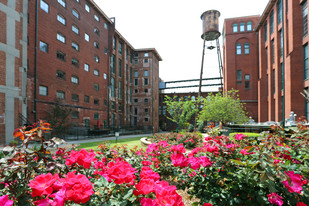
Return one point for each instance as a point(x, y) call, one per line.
point(180, 110)
point(223, 107)
point(59, 116)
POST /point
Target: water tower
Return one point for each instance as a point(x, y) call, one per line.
point(211, 32)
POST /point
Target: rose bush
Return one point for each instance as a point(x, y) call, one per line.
point(269, 170)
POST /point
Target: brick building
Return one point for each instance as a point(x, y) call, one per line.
point(13, 65)
point(78, 58)
point(281, 72)
point(240, 57)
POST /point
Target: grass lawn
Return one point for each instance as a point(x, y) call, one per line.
point(131, 142)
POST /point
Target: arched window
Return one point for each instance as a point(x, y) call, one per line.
point(242, 27)
point(235, 27)
point(238, 49)
point(247, 48)
point(249, 26)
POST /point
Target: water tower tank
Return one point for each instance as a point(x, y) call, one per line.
point(210, 20)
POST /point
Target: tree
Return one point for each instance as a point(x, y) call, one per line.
point(180, 110)
point(223, 108)
point(59, 117)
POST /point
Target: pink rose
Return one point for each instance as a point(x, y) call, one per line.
point(296, 182)
point(5, 201)
point(275, 199)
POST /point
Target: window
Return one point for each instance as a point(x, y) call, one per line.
point(146, 119)
point(105, 25)
point(75, 13)
point(97, 31)
point(61, 19)
point(279, 7)
point(135, 100)
point(146, 54)
point(105, 76)
point(272, 22)
point(242, 27)
point(249, 26)
point(135, 91)
point(273, 51)
point(113, 63)
point(74, 79)
point(60, 55)
point(44, 6)
point(247, 48)
point(135, 61)
point(87, 8)
point(131, 75)
point(62, 3)
point(114, 43)
point(247, 81)
point(305, 18)
point(146, 73)
point(60, 74)
point(146, 90)
point(60, 94)
point(119, 67)
point(43, 46)
point(145, 100)
point(96, 17)
point(145, 61)
point(96, 102)
point(105, 51)
point(87, 37)
point(306, 62)
point(119, 106)
point(75, 62)
point(75, 97)
point(266, 51)
point(105, 102)
point(96, 59)
point(96, 116)
point(86, 67)
point(75, 29)
point(265, 30)
point(43, 90)
point(238, 49)
point(96, 72)
point(136, 74)
point(145, 81)
point(86, 99)
point(135, 82)
point(135, 55)
point(119, 90)
point(75, 115)
point(113, 87)
point(239, 76)
point(274, 81)
point(135, 111)
point(75, 46)
point(96, 44)
point(96, 87)
point(146, 110)
point(113, 105)
point(61, 38)
point(120, 48)
point(281, 43)
point(235, 27)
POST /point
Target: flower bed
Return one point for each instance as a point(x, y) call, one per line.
point(271, 169)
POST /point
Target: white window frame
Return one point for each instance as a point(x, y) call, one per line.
point(43, 46)
point(61, 19)
point(60, 94)
point(44, 6)
point(87, 37)
point(75, 29)
point(43, 90)
point(86, 67)
point(61, 38)
point(96, 17)
point(96, 72)
point(74, 79)
point(87, 8)
point(75, 13)
point(62, 3)
point(75, 46)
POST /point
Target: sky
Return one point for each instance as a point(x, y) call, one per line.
point(174, 28)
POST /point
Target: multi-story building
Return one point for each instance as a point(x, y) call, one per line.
point(281, 72)
point(240, 56)
point(13, 65)
point(75, 57)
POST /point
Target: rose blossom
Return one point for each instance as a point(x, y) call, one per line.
point(5, 201)
point(121, 172)
point(42, 184)
point(296, 182)
point(275, 199)
point(239, 136)
point(179, 160)
point(148, 173)
point(144, 187)
point(82, 158)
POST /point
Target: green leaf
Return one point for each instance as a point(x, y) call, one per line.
point(238, 162)
point(129, 194)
